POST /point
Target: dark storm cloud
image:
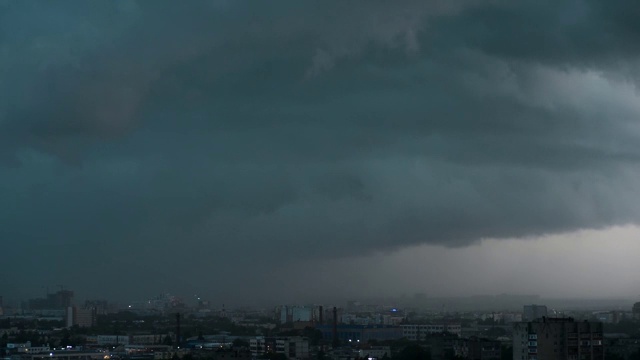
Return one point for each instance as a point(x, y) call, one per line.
point(134, 130)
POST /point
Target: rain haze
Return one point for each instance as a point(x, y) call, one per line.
point(296, 150)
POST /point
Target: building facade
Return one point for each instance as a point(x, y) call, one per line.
point(361, 333)
point(375, 352)
point(294, 348)
point(635, 310)
point(80, 317)
point(558, 339)
point(112, 340)
point(421, 331)
point(476, 348)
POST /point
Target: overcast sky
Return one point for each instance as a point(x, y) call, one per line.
point(290, 149)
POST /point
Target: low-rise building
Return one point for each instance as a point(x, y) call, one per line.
point(361, 333)
point(147, 339)
point(25, 348)
point(108, 340)
point(295, 347)
point(421, 331)
point(374, 352)
point(533, 312)
point(635, 310)
point(60, 355)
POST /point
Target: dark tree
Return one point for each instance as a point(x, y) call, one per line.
point(238, 343)
point(314, 335)
point(413, 352)
point(506, 353)
point(275, 356)
point(495, 332)
point(610, 356)
point(167, 340)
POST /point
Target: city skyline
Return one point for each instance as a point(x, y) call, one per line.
point(259, 151)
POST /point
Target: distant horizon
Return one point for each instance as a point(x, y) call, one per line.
point(394, 300)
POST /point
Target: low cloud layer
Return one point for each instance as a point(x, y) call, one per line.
point(164, 140)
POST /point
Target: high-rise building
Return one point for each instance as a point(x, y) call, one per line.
point(533, 312)
point(557, 339)
point(59, 300)
point(80, 317)
point(635, 310)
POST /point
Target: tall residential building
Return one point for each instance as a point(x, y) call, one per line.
point(532, 312)
point(557, 339)
point(635, 310)
point(80, 317)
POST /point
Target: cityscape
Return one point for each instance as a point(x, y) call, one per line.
point(170, 327)
point(319, 179)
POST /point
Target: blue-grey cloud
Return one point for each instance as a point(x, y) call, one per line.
point(146, 133)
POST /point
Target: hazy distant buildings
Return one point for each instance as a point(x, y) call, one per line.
point(635, 310)
point(360, 333)
point(557, 339)
point(533, 312)
point(296, 313)
point(608, 317)
point(203, 305)
point(80, 317)
point(159, 305)
point(101, 306)
point(56, 301)
point(112, 340)
point(421, 331)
